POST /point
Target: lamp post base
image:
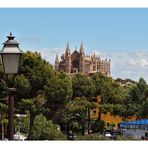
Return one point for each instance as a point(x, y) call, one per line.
point(11, 113)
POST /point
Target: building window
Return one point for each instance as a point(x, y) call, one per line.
point(75, 64)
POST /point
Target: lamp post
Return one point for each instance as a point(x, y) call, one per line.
point(10, 56)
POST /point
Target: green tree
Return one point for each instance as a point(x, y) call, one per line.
point(83, 86)
point(23, 87)
point(3, 84)
point(34, 70)
point(135, 101)
point(110, 92)
point(34, 106)
point(34, 73)
point(144, 111)
point(58, 92)
point(76, 111)
point(103, 89)
point(3, 98)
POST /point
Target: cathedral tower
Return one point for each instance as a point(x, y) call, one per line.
point(82, 59)
point(94, 60)
point(68, 59)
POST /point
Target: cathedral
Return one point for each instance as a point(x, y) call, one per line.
point(78, 62)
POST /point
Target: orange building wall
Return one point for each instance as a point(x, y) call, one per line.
point(106, 117)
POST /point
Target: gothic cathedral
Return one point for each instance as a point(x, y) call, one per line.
point(78, 62)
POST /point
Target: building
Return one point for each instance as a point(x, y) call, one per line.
point(108, 118)
point(79, 62)
point(138, 128)
point(125, 83)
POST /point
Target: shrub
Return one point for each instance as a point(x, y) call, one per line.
point(45, 130)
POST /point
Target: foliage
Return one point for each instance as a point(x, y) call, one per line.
point(23, 86)
point(102, 85)
point(82, 86)
point(76, 113)
point(144, 110)
point(66, 101)
point(45, 130)
point(34, 106)
point(101, 126)
point(23, 124)
point(136, 100)
point(111, 94)
point(34, 74)
point(58, 92)
point(35, 71)
point(118, 109)
point(3, 108)
point(3, 89)
point(5, 122)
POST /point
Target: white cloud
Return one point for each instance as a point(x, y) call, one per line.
point(129, 64)
point(143, 63)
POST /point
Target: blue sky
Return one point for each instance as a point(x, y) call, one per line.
point(119, 34)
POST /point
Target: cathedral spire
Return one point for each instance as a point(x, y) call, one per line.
point(68, 59)
point(67, 47)
point(67, 53)
point(57, 58)
point(81, 48)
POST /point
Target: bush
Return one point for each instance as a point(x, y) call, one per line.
point(23, 124)
point(45, 130)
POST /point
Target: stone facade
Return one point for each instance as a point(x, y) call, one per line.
point(78, 62)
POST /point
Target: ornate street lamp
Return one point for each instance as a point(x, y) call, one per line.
point(10, 56)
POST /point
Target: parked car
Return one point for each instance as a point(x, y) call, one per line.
point(19, 137)
point(108, 134)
